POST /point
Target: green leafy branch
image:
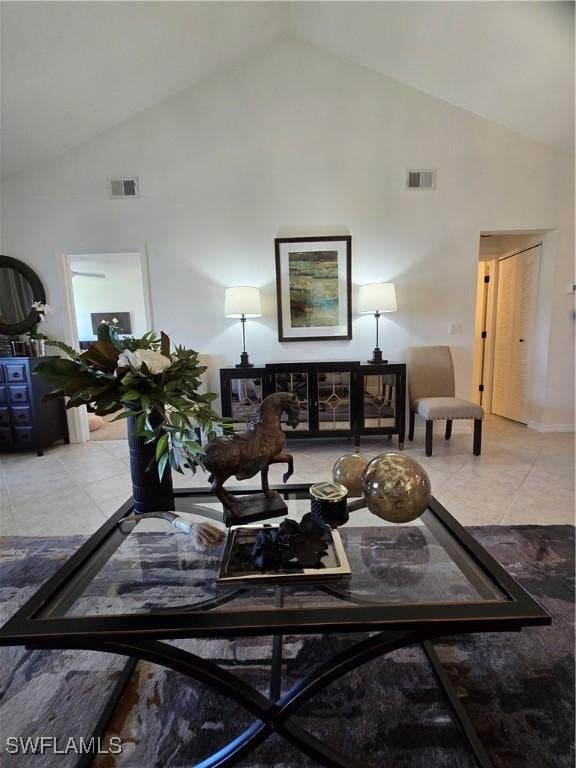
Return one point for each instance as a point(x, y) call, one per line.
point(167, 408)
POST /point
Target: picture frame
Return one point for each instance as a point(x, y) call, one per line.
point(314, 288)
point(120, 321)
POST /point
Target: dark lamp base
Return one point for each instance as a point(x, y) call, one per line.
point(244, 361)
point(376, 357)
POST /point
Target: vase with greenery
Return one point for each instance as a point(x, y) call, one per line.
point(156, 390)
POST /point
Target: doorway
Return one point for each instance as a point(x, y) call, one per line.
point(106, 288)
point(514, 333)
point(506, 308)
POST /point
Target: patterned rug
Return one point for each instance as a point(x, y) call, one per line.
point(517, 687)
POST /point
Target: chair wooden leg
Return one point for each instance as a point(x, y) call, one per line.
point(429, 434)
point(448, 429)
point(477, 437)
point(411, 425)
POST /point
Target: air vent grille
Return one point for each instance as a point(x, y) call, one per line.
point(124, 187)
point(420, 179)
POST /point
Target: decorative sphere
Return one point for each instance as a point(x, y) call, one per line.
point(348, 470)
point(396, 487)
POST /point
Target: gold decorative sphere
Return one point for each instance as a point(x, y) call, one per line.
point(396, 487)
point(348, 470)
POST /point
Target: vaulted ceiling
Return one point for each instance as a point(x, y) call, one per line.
point(511, 62)
point(71, 70)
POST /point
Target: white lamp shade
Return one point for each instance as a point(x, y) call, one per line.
point(243, 300)
point(377, 297)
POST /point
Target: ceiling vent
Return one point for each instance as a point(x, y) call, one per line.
point(420, 179)
point(124, 187)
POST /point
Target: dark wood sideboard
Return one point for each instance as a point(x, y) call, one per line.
point(341, 399)
point(26, 423)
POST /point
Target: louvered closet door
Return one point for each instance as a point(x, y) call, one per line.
point(515, 314)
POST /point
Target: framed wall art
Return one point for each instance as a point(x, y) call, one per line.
point(118, 320)
point(314, 288)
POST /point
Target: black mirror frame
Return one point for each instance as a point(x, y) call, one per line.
point(14, 329)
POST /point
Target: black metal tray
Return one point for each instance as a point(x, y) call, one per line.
point(234, 569)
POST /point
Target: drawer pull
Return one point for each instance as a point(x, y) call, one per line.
point(19, 393)
point(21, 415)
point(23, 435)
point(16, 373)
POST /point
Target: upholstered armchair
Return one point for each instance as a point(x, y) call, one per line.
point(431, 394)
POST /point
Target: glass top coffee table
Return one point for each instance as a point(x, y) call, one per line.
point(133, 586)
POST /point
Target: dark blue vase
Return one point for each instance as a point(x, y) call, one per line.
point(149, 492)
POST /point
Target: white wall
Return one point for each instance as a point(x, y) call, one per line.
point(300, 138)
point(121, 290)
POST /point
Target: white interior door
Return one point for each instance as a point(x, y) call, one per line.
point(515, 314)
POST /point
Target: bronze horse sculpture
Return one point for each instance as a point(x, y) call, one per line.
point(244, 454)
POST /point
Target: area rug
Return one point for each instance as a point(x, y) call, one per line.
point(517, 687)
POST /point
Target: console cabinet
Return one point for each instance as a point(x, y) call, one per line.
point(26, 423)
point(343, 399)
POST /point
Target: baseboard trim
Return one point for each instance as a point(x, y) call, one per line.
point(539, 427)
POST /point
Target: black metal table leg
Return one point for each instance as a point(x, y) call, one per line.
point(275, 714)
point(107, 713)
point(270, 716)
point(277, 640)
point(480, 754)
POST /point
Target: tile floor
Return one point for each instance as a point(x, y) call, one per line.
point(522, 477)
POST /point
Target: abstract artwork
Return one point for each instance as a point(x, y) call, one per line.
point(313, 286)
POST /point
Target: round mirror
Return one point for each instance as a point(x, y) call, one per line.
point(19, 287)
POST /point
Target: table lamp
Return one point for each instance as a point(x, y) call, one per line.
point(243, 302)
point(374, 299)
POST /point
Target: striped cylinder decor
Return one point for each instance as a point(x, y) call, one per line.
point(149, 492)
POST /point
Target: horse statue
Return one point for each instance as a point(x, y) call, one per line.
point(244, 454)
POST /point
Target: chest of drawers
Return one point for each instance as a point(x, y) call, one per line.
point(26, 423)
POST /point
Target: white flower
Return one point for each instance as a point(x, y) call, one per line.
point(155, 361)
point(42, 309)
point(124, 359)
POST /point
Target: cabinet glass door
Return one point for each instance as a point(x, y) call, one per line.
point(334, 402)
point(379, 400)
point(245, 401)
point(297, 384)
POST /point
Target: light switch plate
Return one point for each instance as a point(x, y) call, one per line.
point(454, 328)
